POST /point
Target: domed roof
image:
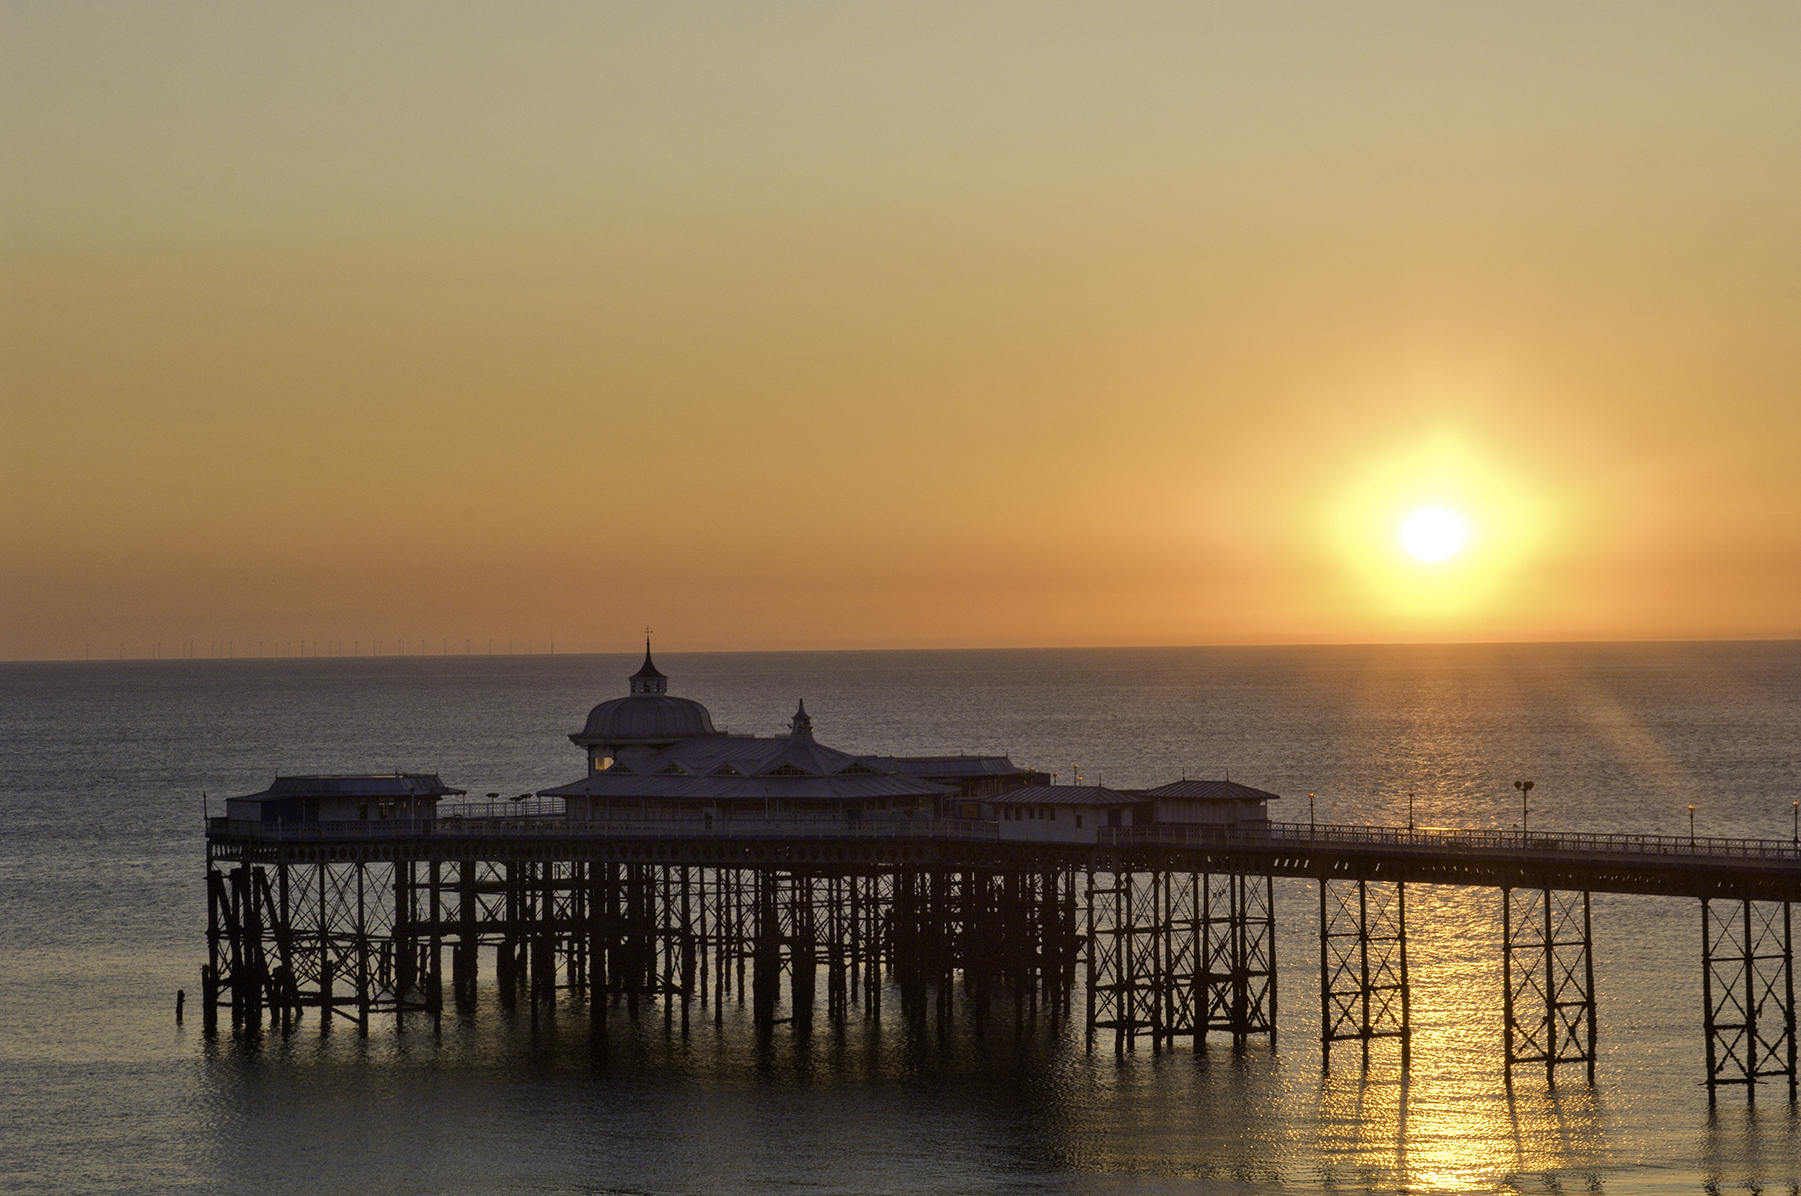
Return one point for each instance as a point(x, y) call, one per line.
point(645, 718)
point(646, 715)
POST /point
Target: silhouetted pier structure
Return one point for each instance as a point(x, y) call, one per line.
point(689, 867)
point(1167, 934)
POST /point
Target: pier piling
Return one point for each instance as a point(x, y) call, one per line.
point(1171, 943)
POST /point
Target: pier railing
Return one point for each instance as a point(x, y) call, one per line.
point(1401, 841)
point(518, 807)
point(529, 826)
point(1453, 840)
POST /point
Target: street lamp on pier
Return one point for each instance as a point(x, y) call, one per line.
point(1310, 824)
point(1524, 787)
point(1410, 811)
point(1691, 826)
point(1796, 837)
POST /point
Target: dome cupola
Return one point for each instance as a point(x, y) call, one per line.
point(646, 719)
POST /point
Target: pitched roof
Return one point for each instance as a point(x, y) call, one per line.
point(1065, 795)
point(393, 784)
point(747, 768)
point(948, 765)
point(1210, 791)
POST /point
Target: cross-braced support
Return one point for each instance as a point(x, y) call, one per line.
point(1180, 990)
point(358, 937)
point(1124, 937)
point(1174, 954)
point(1548, 969)
point(1749, 993)
point(1238, 919)
point(344, 937)
point(1363, 988)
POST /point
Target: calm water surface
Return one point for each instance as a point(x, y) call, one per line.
point(101, 887)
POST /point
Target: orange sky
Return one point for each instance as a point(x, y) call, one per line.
point(930, 324)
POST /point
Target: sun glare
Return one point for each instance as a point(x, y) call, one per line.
point(1433, 534)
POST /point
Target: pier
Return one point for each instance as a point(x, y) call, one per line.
point(688, 868)
point(1165, 935)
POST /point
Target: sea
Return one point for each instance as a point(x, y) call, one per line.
point(109, 768)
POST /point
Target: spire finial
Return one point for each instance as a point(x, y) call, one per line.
point(648, 679)
point(801, 725)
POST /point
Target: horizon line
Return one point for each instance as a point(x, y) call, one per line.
point(470, 654)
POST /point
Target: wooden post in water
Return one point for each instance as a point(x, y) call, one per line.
point(803, 962)
point(687, 946)
point(598, 914)
point(464, 957)
point(323, 931)
point(434, 960)
point(1788, 985)
point(766, 967)
point(209, 972)
point(289, 989)
point(405, 940)
point(325, 995)
point(1508, 1019)
point(362, 952)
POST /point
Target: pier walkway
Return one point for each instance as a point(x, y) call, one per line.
point(1668, 865)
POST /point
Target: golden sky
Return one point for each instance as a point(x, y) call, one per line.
point(930, 324)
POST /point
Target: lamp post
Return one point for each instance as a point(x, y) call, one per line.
point(1691, 826)
point(1524, 787)
point(1796, 837)
point(1410, 812)
point(1310, 824)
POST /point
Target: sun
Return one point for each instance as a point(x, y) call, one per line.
point(1433, 534)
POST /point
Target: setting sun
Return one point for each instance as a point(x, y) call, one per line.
point(1433, 534)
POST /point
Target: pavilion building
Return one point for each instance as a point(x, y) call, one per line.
point(1208, 803)
point(411, 796)
point(655, 756)
point(652, 755)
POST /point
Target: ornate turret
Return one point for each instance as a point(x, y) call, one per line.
point(801, 725)
point(645, 720)
point(648, 680)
